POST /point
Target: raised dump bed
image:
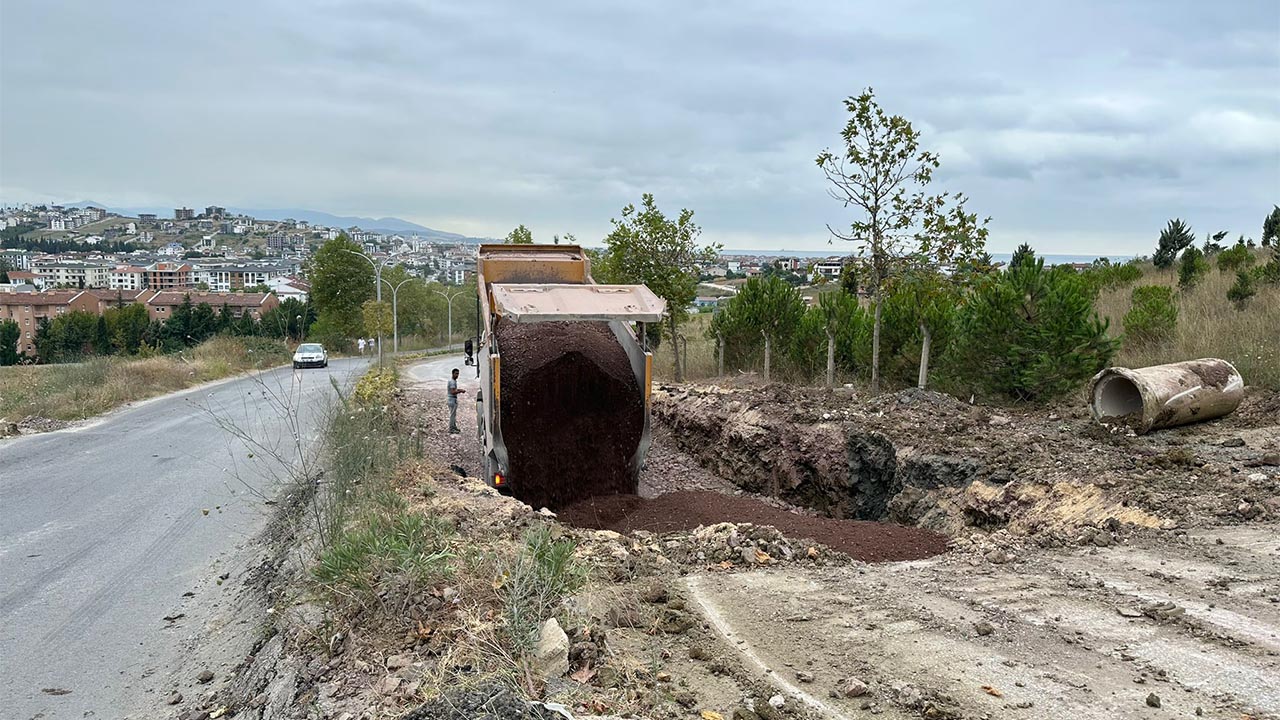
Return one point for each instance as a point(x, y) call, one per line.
point(563, 407)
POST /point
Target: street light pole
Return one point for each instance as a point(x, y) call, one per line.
point(395, 313)
point(377, 285)
point(449, 299)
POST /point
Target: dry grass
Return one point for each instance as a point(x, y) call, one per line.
point(1208, 326)
point(700, 362)
point(82, 390)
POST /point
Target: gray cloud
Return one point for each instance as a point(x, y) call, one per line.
point(1080, 128)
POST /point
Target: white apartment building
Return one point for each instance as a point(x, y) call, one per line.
point(128, 277)
point(72, 275)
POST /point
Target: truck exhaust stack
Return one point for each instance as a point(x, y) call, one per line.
point(1163, 396)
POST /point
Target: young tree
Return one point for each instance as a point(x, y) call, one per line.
point(1192, 268)
point(839, 309)
point(520, 236)
point(1271, 228)
point(377, 317)
point(934, 300)
point(10, 334)
point(1024, 255)
point(102, 338)
point(770, 308)
point(647, 248)
point(1176, 236)
point(1030, 333)
point(1153, 315)
point(1242, 290)
point(883, 174)
point(1236, 258)
point(341, 280)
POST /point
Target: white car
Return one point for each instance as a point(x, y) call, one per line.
point(310, 355)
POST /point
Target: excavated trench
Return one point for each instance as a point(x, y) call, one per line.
point(836, 468)
point(571, 421)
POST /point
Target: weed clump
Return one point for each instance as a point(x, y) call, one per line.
point(534, 583)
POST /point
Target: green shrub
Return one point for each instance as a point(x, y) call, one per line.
point(1030, 334)
point(1153, 316)
point(1270, 272)
point(1236, 258)
point(1242, 290)
point(1104, 274)
point(376, 386)
point(1193, 267)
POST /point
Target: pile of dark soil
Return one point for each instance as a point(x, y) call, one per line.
point(860, 539)
point(572, 411)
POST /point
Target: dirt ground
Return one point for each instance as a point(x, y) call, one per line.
point(1089, 574)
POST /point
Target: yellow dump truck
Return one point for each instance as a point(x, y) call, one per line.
point(562, 412)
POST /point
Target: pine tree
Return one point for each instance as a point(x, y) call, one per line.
point(1030, 334)
point(1176, 236)
point(1024, 255)
point(1271, 228)
point(1192, 268)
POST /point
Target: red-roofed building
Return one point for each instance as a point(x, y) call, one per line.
point(161, 305)
point(28, 309)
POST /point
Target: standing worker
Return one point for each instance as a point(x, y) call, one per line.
point(454, 392)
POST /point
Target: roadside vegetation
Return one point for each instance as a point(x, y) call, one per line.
point(78, 391)
point(380, 550)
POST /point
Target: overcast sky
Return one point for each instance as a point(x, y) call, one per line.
point(1080, 128)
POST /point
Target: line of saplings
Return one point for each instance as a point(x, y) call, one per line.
point(127, 329)
point(1028, 333)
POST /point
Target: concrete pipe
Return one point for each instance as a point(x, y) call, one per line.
point(1164, 396)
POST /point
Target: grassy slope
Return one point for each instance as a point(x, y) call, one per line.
point(73, 392)
point(1208, 326)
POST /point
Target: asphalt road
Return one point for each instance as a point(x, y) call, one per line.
point(103, 530)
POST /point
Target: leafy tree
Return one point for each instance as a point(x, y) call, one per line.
point(127, 325)
point(1242, 290)
point(377, 317)
point(1153, 315)
point(1176, 236)
point(1030, 334)
point(1192, 267)
point(1237, 258)
point(645, 247)
point(102, 338)
point(10, 334)
point(341, 280)
point(1022, 256)
point(66, 338)
point(520, 236)
point(883, 174)
point(292, 318)
point(1271, 228)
